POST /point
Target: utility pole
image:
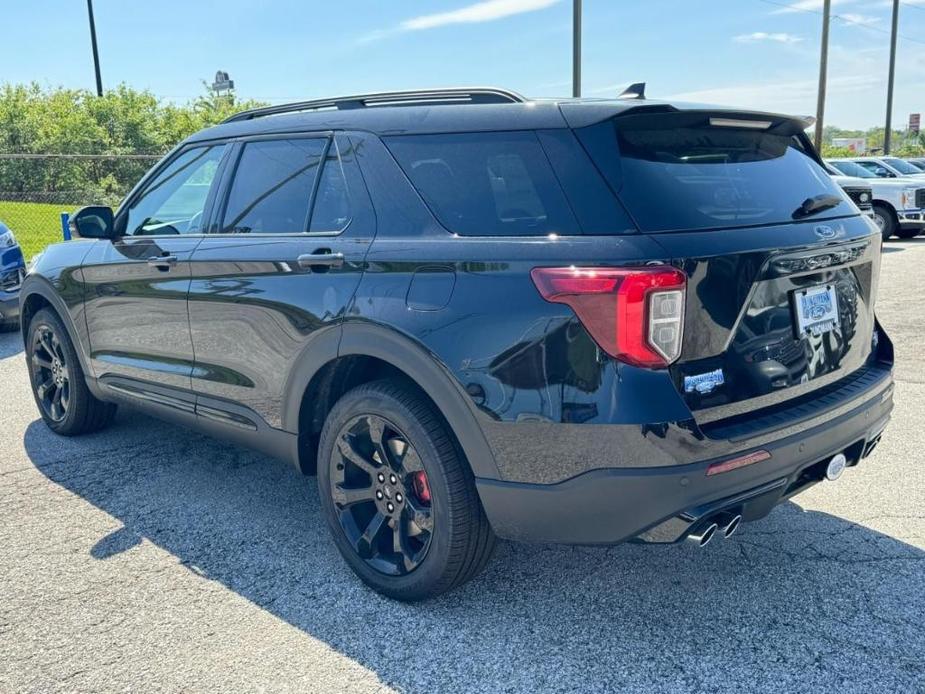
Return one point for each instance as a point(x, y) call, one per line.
point(823, 70)
point(887, 136)
point(96, 53)
point(576, 48)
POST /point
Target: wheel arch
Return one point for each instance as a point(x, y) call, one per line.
point(37, 293)
point(889, 208)
point(369, 352)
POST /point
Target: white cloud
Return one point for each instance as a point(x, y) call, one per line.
point(797, 96)
point(757, 36)
point(807, 6)
point(862, 19)
point(487, 11)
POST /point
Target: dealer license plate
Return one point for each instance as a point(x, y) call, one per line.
point(816, 309)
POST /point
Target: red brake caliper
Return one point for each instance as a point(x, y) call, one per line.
point(421, 486)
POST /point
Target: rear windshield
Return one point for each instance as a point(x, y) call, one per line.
point(486, 184)
point(685, 171)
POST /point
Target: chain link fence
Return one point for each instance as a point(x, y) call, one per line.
point(36, 188)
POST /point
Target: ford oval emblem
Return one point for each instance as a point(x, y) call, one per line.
point(825, 231)
point(817, 312)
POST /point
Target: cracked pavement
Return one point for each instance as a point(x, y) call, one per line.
point(148, 557)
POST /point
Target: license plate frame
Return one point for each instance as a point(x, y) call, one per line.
point(815, 310)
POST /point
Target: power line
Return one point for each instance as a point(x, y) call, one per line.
point(844, 20)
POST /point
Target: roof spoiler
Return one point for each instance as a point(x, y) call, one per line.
point(637, 90)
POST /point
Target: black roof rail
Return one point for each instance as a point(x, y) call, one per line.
point(420, 97)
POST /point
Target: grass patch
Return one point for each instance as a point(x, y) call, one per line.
point(36, 225)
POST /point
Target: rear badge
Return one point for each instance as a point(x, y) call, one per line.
point(704, 383)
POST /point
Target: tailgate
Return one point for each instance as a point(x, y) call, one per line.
point(773, 313)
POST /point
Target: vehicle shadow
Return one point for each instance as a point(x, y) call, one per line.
point(10, 343)
point(798, 601)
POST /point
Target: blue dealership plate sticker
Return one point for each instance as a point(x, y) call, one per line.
point(704, 383)
point(816, 309)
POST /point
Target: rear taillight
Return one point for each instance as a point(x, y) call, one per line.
point(635, 315)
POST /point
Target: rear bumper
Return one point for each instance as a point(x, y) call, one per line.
point(663, 504)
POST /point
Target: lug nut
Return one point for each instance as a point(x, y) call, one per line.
point(393, 479)
point(390, 507)
point(379, 495)
point(398, 497)
point(380, 477)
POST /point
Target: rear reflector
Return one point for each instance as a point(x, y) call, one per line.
point(736, 463)
point(635, 315)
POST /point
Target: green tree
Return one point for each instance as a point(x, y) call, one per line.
point(123, 121)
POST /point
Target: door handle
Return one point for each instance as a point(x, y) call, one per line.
point(162, 262)
point(320, 259)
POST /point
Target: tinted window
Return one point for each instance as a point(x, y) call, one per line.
point(680, 171)
point(486, 184)
point(174, 201)
point(849, 168)
point(876, 169)
point(273, 186)
point(331, 211)
point(903, 167)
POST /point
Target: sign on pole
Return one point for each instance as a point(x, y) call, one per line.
point(915, 121)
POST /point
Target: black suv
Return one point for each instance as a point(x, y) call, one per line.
point(477, 315)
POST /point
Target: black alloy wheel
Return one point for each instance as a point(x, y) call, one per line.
point(50, 373)
point(398, 494)
point(382, 495)
point(59, 386)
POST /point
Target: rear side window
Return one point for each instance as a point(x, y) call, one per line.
point(684, 172)
point(486, 184)
point(273, 187)
point(331, 211)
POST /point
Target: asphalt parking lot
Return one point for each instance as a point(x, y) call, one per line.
point(151, 558)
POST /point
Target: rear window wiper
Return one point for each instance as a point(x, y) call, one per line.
point(819, 203)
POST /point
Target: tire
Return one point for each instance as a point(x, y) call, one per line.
point(885, 221)
point(437, 520)
point(58, 385)
point(908, 233)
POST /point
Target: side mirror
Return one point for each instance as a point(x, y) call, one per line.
point(93, 222)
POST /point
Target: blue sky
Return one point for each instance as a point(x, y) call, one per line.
point(752, 53)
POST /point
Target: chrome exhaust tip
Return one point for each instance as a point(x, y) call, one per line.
point(702, 537)
point(732, 525)
point(836, 467)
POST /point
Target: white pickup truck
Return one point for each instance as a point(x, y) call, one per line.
point(898, 203)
